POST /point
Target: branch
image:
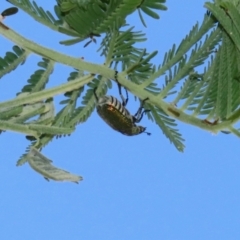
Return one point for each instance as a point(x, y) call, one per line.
point(56, 56)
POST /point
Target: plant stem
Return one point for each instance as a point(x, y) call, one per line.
point(47, 93)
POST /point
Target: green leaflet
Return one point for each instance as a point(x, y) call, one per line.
point(40, 77)
point(11, 60)
point(43, 165)
point(38, 13)
point(168, 127)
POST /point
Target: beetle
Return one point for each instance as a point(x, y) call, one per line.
point(116, 115)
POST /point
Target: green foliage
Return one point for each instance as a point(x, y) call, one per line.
point(40, 77)
point(177, 89)
point(38, 13)
point(44, 166)
point(11, 60)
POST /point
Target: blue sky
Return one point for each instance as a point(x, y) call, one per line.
point(134, 187)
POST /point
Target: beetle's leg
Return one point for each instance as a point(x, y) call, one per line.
point(124, 101)
point(95, 94)
point(139, 114)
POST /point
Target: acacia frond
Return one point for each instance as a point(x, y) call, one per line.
point(93, 18)
point(63, 117)
point(121, 43)
point(38, 13)
point(44, 166)
point(40, 77)
point(167, 125)
point(147, 6)
point(187, 64)
point(12, 59)
point(227, 14)
point(23, 158)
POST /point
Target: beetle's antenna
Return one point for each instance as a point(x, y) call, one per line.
point(148, 133)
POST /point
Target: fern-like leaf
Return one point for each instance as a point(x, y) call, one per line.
point(97, 17)
point(167, 125)
point(38, 13)
point(12, 59)
point(39, 79)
